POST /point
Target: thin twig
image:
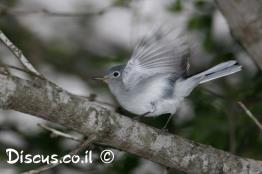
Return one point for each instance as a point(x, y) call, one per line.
point(20, 12)
point(59, 133)
point(18, 69)
point(242, 105)
point(82, 146)
point(249, 113)
point(18, 54)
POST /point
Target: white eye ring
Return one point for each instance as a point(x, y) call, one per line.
point(116, 74)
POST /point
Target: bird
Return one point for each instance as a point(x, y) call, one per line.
point(155, 79)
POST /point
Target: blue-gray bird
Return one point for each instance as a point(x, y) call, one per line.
point(154, 81)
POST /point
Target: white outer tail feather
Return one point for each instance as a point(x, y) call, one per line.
point(220, 70)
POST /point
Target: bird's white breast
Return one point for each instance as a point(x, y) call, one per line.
point(148, 97)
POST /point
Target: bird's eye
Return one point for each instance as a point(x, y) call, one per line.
point(116, 74)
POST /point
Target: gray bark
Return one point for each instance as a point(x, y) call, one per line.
point(45, 100)
point(244, 17)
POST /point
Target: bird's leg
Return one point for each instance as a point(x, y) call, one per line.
point(153, 109)
point(168, 120)
point(138, 117)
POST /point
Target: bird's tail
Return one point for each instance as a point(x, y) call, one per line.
point(220, 70)
point(183, 88)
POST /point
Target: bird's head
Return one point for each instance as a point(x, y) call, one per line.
point(113, 75)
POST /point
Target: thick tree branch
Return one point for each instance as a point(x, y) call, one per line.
point(45, 100)
point(244, 19)
point(81, 147)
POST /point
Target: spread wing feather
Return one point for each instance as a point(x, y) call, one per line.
point(159, 53)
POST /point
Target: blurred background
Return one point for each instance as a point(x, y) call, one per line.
point(70, 41)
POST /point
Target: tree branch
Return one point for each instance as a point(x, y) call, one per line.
point(50, 102)
point(18, 54)
point(244, 19)
point(249, 113)
point(81, 147)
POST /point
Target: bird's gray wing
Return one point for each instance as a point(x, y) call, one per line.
point(163, 52)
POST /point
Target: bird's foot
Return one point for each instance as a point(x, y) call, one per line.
point(138, 117)
point(163, 130)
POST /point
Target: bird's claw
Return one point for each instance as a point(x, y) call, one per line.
point(164, 130)
point(137, 118)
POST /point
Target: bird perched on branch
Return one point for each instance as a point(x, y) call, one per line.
point(154, 81)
